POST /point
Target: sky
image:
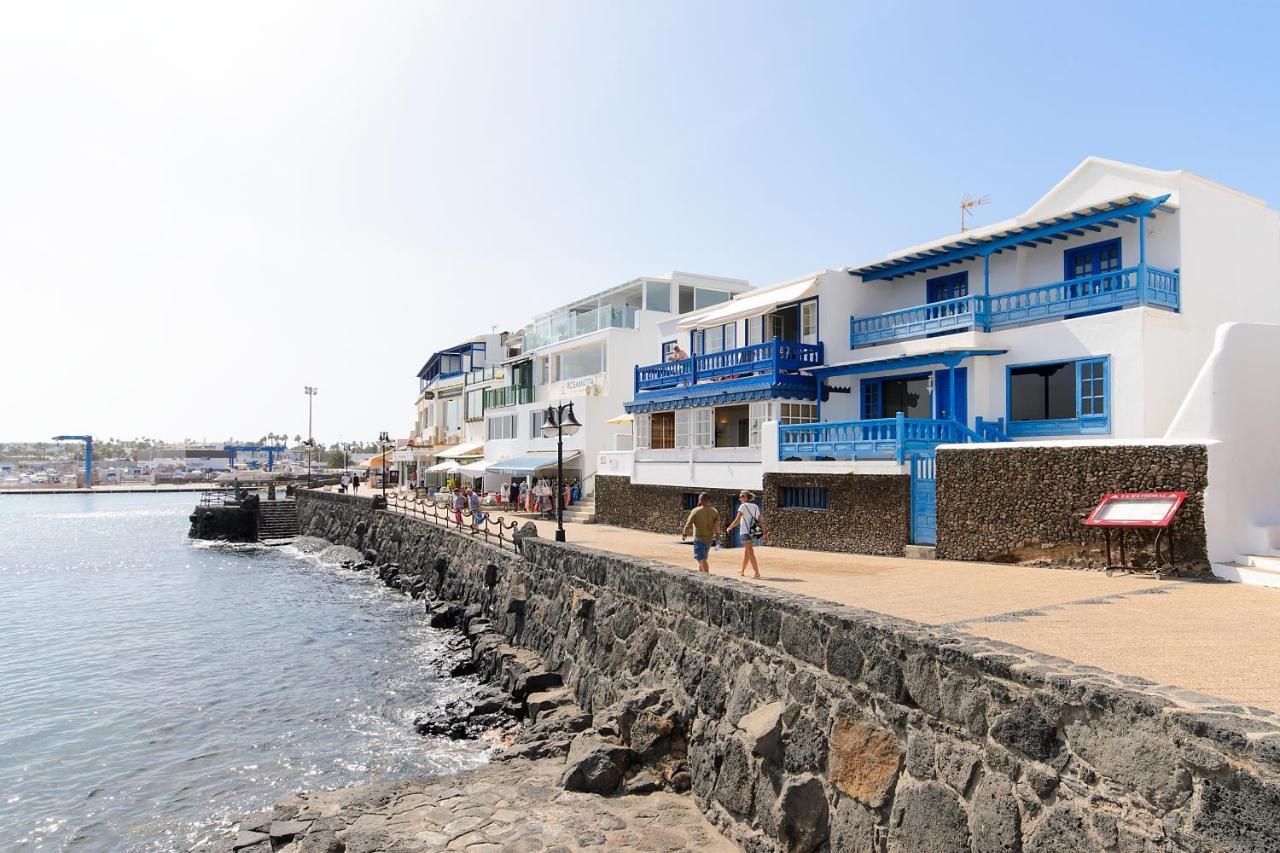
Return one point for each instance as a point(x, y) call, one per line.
point(206, 207)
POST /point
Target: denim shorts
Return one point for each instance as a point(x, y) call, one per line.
point(701, 550)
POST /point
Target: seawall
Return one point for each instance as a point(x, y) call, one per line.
point(814, 724)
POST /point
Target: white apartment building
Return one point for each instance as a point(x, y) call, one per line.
point(1087, 316)
point(584, 353)
point(449, 428)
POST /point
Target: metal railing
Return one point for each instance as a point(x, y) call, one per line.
point(571, 325)
point(775, 356)
point(507, 395)
point(1140, 285)
point(876, 438)
point(494, 529)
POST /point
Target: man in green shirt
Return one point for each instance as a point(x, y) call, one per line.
point(704, 521)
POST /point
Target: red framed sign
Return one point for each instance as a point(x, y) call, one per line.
point(1136, 509)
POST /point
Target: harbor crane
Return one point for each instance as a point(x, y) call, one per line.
point(88, 455)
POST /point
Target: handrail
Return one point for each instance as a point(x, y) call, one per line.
point(776, 356)
point(1138, 285)
point(429, 510)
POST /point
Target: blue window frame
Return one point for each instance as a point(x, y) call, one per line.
point(871, 395)
point(667, 348)
point(1093, 259)
point(885, 396)
point(947, 287)
point(804, 497)
point(1052, 398)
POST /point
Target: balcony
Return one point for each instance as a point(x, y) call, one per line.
point(770, 359)
point(1140, 285)
point(572, 325)
point(878, 438)
point(507, 395)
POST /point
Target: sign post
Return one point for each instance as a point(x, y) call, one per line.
point(1127, 510)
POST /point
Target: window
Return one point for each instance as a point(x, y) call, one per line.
point(453, 414)
point(804, 497)
point(757, 415)
point(704, 421)
point(690, 501)
point(499, 428)
point(755, 330)
point(884, 398)
point(686, 299)
point(642, 431)
point(730, 335)
point(1059, 398)
point(585, 361)
point(1094, 259)
point(732, 424)
point(475, 404)
point(658, 296)
point(797, 413)
point(536, 417)
point(703, 297)
point(682, 428)
point(667, 348)
point(947, 287)
point(663, 426)
point(871, 405)
point(809, 322)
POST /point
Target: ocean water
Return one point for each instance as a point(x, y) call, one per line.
point(152, 688)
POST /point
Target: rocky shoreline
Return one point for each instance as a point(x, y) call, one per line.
point(563, 779)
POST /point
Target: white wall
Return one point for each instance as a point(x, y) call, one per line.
point(1233, 404)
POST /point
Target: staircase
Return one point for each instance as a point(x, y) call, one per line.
point(277, 521)
point(582, 512)
point(1257, 569)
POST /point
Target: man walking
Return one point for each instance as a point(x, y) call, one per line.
point(704, 521)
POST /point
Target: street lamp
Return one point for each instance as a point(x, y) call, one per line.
point(384, 440)
point(558, 420)
point(311, 392)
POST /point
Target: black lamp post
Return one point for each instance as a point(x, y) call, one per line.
point(558, 420)
point(311, 392)
point(384, 440)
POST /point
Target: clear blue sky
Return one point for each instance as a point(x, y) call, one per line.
point(178, 182)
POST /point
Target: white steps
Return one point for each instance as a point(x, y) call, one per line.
point(582, 512)
point(1255, 569)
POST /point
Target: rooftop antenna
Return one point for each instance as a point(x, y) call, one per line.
point(967, 204)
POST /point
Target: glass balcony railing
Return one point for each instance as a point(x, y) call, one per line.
point(566, 326)
point(507, 395)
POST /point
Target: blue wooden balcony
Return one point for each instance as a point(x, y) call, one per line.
point(772, 358)
point(878, 438)
point(1139, 285)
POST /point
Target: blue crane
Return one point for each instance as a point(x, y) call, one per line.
point(88, 455)
point(271, 449)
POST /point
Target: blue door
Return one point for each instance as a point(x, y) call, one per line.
point(942, 394)
point(924, 499)
point(736, 541)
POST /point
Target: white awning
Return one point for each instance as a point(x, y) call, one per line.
point(446, 467)
point(473, 469)
point(458, 451)
point(752, 303)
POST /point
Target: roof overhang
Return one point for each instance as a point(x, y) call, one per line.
point(470, 448)
point(788, 387)
point(1094, 218)
point(530, 464)
point(945, 357)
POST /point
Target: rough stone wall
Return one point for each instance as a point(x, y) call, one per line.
point(815, 724)
point(658, 509)
point(1026, 503)
point(867, 513)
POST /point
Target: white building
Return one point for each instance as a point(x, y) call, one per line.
point(584, 353)
point(1089, 315)
point(449, 429)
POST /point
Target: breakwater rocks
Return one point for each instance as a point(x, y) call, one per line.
point(810, 726)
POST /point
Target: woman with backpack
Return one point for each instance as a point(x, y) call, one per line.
point(750, 531)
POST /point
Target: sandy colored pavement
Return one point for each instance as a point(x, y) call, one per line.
point(1217, 638)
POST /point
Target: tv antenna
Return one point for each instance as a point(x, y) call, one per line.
point(967, 204)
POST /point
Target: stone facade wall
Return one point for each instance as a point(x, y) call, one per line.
point(814, 726)
point(866, 514)
point(1011, 504)
point(658, 509)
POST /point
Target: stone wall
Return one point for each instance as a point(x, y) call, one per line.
point(658, 509)
point(1012, 503)
point(866, 514)
point(814, 724)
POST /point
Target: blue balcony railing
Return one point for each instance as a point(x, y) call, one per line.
point(1140, 285)
point(878, 438)
point(773, 357)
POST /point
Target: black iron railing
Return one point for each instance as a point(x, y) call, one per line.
point(494, 529)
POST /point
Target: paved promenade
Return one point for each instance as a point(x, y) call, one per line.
point(1217, 638)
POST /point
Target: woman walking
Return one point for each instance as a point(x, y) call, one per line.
point(750, 531)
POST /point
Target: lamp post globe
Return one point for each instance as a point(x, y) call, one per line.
point(558, 421)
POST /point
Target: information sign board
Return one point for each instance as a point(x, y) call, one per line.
point(1136, 509)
